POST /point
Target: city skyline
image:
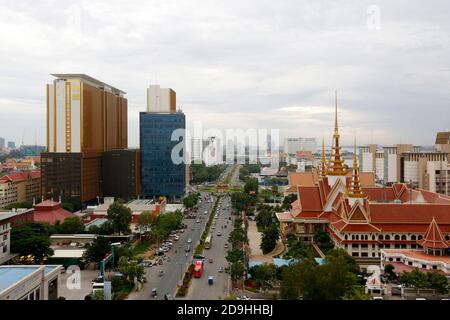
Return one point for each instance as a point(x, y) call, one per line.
point(259, 65)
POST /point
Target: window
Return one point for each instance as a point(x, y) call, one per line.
point(413, 237)
point(355, 254)
point(403, 237)
point(424, 266)
point(397, 237)
point(364, 254)
point(434, 267)
point(387, 237)
point(355, 246)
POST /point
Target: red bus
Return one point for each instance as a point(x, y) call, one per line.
point(198, 269)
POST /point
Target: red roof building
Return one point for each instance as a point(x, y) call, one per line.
point(50, 211)
point(365, 219)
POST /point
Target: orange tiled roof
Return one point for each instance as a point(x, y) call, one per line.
point(301, 179)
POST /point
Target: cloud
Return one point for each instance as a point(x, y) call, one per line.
point(259, 63)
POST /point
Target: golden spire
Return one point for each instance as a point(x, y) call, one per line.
point(355, 186)
point(323, 162)
point(336, 164)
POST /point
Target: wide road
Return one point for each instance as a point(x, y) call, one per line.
point(176, 262)
point(199, 289)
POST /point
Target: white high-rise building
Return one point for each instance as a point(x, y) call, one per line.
point(161, 99)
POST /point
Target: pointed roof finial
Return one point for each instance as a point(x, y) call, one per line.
point(355, 185)
point(323, 162)
point(335, 113)
point(336, 163)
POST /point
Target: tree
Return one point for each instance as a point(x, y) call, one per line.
point(334, 280)
point(288, 200)
point(235, 255)
point(120, 217)
point(237, 270)
point(71, 225)
point(264, 274)
point(265, 217)
point(438, 282)
point(237, 236)
point(31, 239)
point(98, 295)
point(269, 238)
point(414, 278)
point(130, 269)
point(389, 269)
point(97, 250)
point(19, 205)
point(145, 220)
point(323, 240)
point(191, 200)
point(251, 186)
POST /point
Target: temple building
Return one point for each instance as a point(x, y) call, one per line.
point(360, 217)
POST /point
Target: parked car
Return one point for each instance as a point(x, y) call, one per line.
point(188, 248)
point(210, 260)
point(197, 221)
point(226, 245)
point(219, 234)
point(220, 269)
point(189, 240)
point(154, 292)
point(161, 273)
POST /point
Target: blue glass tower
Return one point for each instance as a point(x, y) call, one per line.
point(160, 176)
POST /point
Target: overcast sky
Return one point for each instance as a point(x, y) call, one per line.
point(240, 64)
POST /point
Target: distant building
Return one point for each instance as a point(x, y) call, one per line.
point(20, 186)
point(428, 170)
point(160, 175)
point(2, 143)
point(121, 174)
point(292, 145)
point(29, 282)
point(305, 161)
point(161, 99)
point(32, 150)
point(11, 145)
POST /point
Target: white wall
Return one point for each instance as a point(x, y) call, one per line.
point(392, 168)
point(411, 171)
point(367, 162)
point(158, 99)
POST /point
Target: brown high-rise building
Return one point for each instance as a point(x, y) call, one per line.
point(85, 117)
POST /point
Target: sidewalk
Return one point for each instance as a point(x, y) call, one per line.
point(254, 238)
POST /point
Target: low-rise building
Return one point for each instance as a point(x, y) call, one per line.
point(29, 282)
point(9, 220)
point(20, 186)
point(50, 212)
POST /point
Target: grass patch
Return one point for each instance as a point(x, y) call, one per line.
point(141, 248)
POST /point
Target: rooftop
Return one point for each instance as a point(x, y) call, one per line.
point(86, 78)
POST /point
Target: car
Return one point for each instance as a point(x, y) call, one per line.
point(197, 221)
point(176, 238)
point(210, 260)
point(377, 298)
point(188, 249)
point(220, 269)
point(213, 227)
point(219, 234)
point(189, 240)
point(161, 273)
point(226, 245)
point(63, 270)
point(206, 212)
point(244, 298)
point(154, 292)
